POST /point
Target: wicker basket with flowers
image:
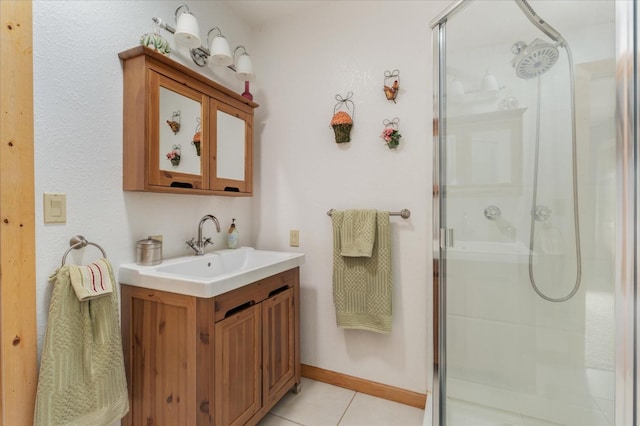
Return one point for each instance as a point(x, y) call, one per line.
point(342, 122)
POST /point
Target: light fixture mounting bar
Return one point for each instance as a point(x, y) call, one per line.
point(200, 55)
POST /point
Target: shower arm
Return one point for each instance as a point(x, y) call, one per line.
point(540, 23)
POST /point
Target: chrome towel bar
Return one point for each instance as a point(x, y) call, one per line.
point(404, 213)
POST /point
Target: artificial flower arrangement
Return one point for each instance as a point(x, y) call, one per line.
point(196, 142)
point(174, 155)
point(197, 137)
point(391, 135)
point(342, 121)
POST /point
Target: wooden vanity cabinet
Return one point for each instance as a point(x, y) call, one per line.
point(155, 89)
point(278, 344)
point(238, 361)
point(221, 361)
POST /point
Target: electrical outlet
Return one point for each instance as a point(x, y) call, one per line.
point(294, 238)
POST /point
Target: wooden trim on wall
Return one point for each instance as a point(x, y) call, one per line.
point(368, 387)
point(18, 333)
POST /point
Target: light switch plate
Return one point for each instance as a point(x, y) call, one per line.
point(294, 238)
point(55, 207)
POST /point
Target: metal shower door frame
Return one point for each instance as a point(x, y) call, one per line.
point(627, 322)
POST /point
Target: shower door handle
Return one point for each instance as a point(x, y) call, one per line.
point(446, 238)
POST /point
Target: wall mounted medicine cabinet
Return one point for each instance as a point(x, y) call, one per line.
point(183, 133)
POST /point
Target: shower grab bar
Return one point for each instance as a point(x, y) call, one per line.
point(404, 213)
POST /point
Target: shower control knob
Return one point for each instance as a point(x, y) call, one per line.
point(492, 212)
point(541, 213)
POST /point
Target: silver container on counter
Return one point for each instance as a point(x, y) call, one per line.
point(149, 252)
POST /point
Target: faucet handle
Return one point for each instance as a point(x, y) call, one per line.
point(191, 243)
point(206, 242)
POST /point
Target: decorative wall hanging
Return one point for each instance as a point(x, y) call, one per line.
point(174, 155)
point(342, 121)
point(196, 137)
point(390, 134)
point(391, 84)
point(174, 123)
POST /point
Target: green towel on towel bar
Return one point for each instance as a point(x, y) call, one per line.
point(362, 286)
point(358, 233)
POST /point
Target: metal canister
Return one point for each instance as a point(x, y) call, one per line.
point(149, 252)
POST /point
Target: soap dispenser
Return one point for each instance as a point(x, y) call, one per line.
point(232, 236)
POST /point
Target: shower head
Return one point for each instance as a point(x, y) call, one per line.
point(539, 22)
point(533, 60)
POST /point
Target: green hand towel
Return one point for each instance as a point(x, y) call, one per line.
point(362, 286)
point(82, 379)
point(358, 233)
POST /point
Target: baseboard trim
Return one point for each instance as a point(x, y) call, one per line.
point(379, 390)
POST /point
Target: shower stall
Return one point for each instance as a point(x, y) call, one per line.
point(535, 213)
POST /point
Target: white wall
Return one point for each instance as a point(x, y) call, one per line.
point(305, 61)
point(78, 135)
point(302, 62)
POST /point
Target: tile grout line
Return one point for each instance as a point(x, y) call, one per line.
point(284, 418)
point(346, 409)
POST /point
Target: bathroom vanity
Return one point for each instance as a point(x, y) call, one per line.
point(221, 360)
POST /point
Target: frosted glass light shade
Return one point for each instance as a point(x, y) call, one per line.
point(187, 31)
point(244, 68)
point(457, 89)
point(220, 52)
point(489, 83)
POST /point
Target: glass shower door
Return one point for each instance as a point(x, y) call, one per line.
point(528, 196)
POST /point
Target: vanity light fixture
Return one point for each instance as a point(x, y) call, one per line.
point(219, 55)
point(489, 83)
point(457, 88)
point(489, 86)
point(220, 50)
point(187, 31)
point(244, 67)
point(216, 51)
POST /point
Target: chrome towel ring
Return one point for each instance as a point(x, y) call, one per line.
point(79, 242)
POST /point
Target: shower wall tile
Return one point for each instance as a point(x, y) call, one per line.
point(479, 290)
point(479, 353)
point(607, 406)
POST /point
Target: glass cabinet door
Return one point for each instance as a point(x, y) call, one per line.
point(232, 149)
point(178, 135)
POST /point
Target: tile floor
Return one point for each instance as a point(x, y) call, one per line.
point(321, 404)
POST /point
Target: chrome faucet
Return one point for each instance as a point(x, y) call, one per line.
point(199, 245)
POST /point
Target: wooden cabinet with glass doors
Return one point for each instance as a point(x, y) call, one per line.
point(183, 133)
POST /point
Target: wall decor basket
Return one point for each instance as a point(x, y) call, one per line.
point(342, 121)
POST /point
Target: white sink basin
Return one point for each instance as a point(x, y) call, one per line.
point(211, 274)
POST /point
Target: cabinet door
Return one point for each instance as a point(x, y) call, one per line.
point(176, 128)
point(159, 356)
point(237, 367)
point(232, 149)
point(278, 342)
